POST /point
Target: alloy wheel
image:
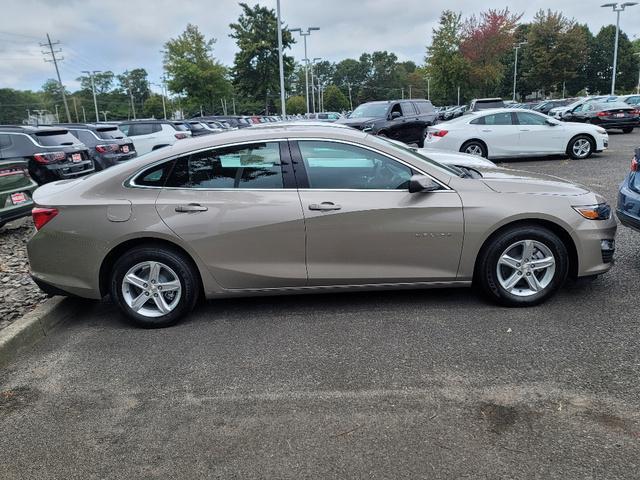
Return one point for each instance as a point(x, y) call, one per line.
point(151, 289)
point(474, 149)
point(526, 268)
point(581, 147)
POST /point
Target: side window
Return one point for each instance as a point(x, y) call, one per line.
point(395, 108)
point(155, 127)
point(424, 107)
point(256, 165)
point(137, 129)
point(498, 119)
point(407, 109)
point(85, 137)
point(124, 129)
point(477, 121)
point(155, 176)
point(530, 119)
point(340, 166)
point(5, 141)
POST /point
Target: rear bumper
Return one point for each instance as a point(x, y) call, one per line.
point(16, 212)
point(628, 220)
point(109, 160)
point(59, 171)
point(630, 123)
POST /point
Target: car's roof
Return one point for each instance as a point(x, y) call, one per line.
point(29, 128)
point(149, 120)
point(89, 126)
point(405, 100)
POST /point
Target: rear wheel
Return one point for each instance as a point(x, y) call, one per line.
point(474, 147)
point(580, 147)
point(523, 266)
point(154, 286)
point(423, 136)
point(627, 130)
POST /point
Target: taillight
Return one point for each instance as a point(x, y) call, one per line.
point(49, 157)
point(107, 148)
point(440, 133)
point(42, 216)
point(180, 136)
point(634, 164)
point(602, 114)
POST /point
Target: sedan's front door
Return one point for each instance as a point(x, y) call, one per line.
point(500, 133)
point(364, 227)
point(238, 208)
point(536, 136)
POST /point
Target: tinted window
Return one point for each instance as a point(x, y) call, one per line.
point(485, 105)
point(370, 110)
point(54, 138)
point(155, 176)
point(85, 137)
point(108, 133)
point(633, 100)
point(498, 119)
point(530, 119)
point(244, 166)
point(5, 140)
point(136, 129)
point(424, 107)
point(339, 166)
point(181, 127)
point(407, 109)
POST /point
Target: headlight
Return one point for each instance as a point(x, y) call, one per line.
point(368, 127)
point(600, 130)
point(601, 211)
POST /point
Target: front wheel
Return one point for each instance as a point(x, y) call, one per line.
point(580, 147)
point(523, 266)
point(627, 130)
point(422, 138)
point(154, 286)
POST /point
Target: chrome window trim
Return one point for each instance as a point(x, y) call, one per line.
point(130, 183)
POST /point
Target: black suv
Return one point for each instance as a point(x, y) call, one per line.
point(404, 120)
point(52, 153)
point(106, 143)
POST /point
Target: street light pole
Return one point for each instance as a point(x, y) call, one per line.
point(638, 87)
point(617, 7)
point(93, 90)
point(304, 35)
point(515, 67)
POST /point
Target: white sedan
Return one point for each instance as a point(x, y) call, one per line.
point(512, 132)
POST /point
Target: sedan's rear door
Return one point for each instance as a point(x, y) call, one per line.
point(238, 208)
point(364, 227)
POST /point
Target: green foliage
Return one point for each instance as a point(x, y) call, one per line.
point(256, 65)
point(153, 107)
point(103, 81)
point(335, 100)
point(602, 59)
point(296, 105)
point(192, 71)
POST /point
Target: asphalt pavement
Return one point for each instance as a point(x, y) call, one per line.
point(432, 384)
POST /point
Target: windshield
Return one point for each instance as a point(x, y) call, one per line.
point(370, 110)
point(54, 138)
point(446, 169)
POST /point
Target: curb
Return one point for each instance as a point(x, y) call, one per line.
point(35, 325)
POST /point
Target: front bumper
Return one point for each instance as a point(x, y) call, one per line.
point(595, 244)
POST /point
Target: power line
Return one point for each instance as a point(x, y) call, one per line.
point(53, 59)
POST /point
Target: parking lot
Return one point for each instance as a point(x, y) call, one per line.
point(413, 384)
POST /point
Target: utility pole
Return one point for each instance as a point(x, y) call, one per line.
point(93, 90)
point(84, 115)
point(233, 102)
point(283, 108)
point(402, 89)
point(458, 96)
point(350, 101)
point(428, 88)
point(304, 35)
point(515, 67)
point(133, 106)
point(55, 60)
point(409, 92)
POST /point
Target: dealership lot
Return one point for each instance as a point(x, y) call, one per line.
point(421, 384)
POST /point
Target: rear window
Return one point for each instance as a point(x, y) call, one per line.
point(109, 133)
point(487, 104)
point(181, 127)
point(136, 129)
point(612, 106)
point(196, 126)
point(54, 138)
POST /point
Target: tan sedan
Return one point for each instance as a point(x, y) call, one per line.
point(304, 208)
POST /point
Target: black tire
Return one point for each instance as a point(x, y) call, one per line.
point(423, 136)
point(475, 144)
point(487, 266)
point(176, 261)
point(573, 145)
point(627, 130)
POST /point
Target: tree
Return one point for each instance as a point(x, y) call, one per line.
point(192, 70)
point(335, 100)
point(485, 41)
point(383, 79)
point(627, 67)
point(255, 67)
point(153, 107)
point(136, 83)
point(555, 48)
point(296, 105)
point(446, 66)
point(103, 81)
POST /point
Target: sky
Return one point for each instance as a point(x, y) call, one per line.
point(117, 35)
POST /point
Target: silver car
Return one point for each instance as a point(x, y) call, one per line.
point(305, 208)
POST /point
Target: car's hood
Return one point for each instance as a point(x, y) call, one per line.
point(456, 158)
point(352, 122)
point(505, 180)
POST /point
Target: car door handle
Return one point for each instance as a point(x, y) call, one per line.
point(192, 207)
point(525, 130)
point(487, 130)
point(324, 206)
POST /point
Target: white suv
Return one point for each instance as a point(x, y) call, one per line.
point(148, 135)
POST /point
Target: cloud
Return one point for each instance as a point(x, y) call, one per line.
point(118, 35)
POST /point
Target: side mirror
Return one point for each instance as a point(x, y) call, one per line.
point(422, 184)
point(395, 115)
